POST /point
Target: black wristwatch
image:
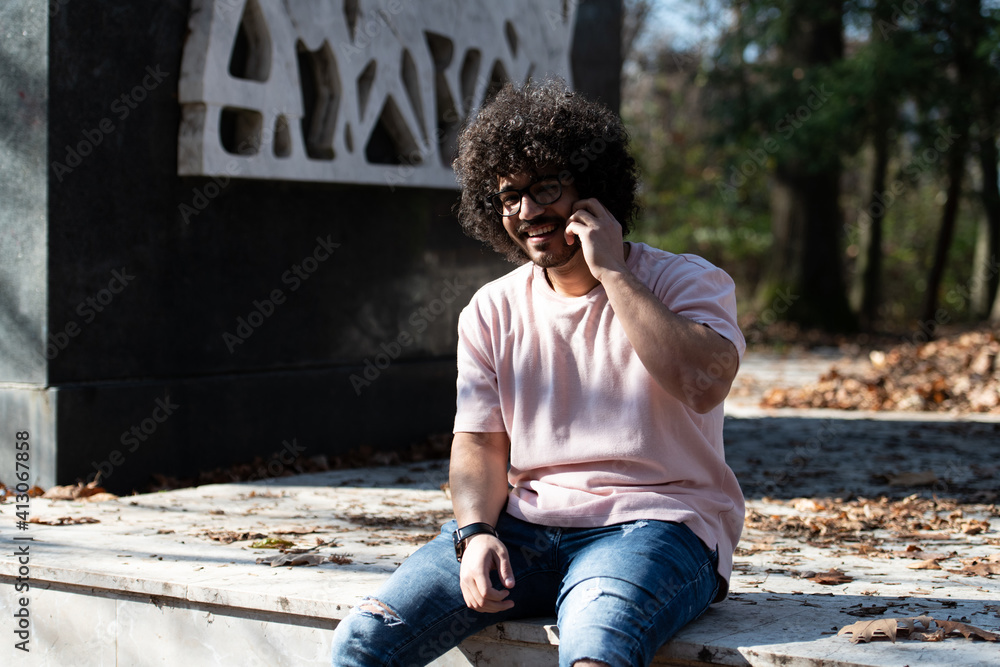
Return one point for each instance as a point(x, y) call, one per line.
point(465, 532)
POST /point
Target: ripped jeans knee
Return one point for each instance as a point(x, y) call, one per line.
point(601, 591)
point(375, 608)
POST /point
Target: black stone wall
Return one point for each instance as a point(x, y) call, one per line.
point(139, 338)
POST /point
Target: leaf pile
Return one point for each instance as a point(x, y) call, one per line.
point(817, 519)
point(79, 491)
point(916, 627)
point(960, 373)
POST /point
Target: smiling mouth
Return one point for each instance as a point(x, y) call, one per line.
point(540, 231)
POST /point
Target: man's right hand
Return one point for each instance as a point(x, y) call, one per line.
point(483, 554)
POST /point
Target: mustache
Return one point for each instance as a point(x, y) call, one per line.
point(547, 220)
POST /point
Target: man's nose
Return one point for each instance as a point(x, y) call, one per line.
point(529, 209)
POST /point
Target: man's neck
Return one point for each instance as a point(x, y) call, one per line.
point(574, 277)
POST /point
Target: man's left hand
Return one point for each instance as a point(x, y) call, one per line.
point(600, 237)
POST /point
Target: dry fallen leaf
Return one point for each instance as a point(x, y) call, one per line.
point(63, 520)
point(967, 631)
point(230, 536)
point(916, 623)
point(929, 564)
point(272, 543)
point(861, 610)
point(303, 559)
point(917, 553)
point(295, 530)
point(917, 627)
point(831, 577)
point(975, 526)
point(90, 491)
point(807, 505)
point(292, 559)
point(978, 567)
point(867, 630)
point(340, 560)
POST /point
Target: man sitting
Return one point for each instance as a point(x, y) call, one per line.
point(588, 477)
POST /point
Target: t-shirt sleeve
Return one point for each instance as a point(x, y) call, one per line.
point(703, 293)
point(478, 404)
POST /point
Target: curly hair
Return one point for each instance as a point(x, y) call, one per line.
point(542, 126)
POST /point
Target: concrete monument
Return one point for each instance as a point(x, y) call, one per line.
point(226, 226)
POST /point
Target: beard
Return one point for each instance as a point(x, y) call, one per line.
point(552, 253)
point(551, 258)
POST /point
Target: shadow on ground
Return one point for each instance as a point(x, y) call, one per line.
point(791, 457)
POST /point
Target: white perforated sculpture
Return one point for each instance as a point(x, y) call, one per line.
point(353, 91)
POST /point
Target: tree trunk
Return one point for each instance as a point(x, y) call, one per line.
point(866, 292)
point(995, 313)
point(964, 26)
point(956, 169)
point(867, 289)
point(805, 282)
point(986, 266)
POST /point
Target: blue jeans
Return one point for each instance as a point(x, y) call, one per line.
point(619, 592)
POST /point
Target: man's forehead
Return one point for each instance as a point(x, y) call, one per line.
point(520, 180)
point(516, 180)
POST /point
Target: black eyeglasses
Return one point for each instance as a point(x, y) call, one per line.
point(543, 192)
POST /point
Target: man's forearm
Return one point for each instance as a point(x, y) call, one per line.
point(689, 360)
point(478, 476)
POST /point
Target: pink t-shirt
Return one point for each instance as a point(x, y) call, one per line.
point(594, 438)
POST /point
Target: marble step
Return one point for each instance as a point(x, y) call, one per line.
point(154, 582)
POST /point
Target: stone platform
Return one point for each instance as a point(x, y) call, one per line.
point(172, 578)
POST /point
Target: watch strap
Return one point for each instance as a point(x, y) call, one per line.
point(470, 530)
